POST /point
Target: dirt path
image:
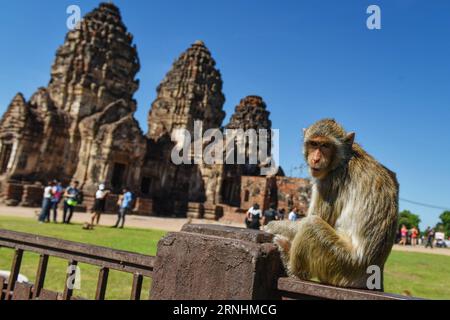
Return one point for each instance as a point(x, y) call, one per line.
point(421, 249)
point(167, 224)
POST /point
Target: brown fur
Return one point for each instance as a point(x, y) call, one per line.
point(352, 218)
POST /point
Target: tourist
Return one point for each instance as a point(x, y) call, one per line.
point(46, 203)
point(403, 234)
point(99, 205)
point(253, 217)
point(270, 215)
point(56, 199)
point(293, 215)
point(71, 200)
point(125, 205)
point(281, 214)
point(414, 235)
point(430, 238)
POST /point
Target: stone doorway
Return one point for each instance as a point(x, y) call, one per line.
point(146, 184)
point(5, 156)
point(118, 175)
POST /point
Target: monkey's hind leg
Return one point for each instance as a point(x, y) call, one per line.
point(284, 248)
point(318, 251)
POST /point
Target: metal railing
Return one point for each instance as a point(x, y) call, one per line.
point(106, 258)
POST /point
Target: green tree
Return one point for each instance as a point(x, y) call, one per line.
point(444, 224)
point(408, 219)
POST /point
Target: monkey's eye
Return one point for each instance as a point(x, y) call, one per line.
point(325, 146)
point(313, 144)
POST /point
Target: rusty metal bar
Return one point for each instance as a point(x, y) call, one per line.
point(68, 291)
point(298, 289)
point(95, 255)
point(137, 286)
point(15, 269)
point(40, 275)
point(101, 284)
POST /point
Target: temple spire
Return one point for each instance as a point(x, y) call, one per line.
point(191, 90)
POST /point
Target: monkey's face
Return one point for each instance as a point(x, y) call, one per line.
point(320, 153)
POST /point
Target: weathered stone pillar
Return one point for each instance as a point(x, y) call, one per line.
point(204, 262)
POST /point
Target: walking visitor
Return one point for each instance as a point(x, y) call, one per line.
point(125, 205)
point(56, 199)
point(270, 215)
point(293, 215)
point(430, 238)
point(253, 217)
point(99, 205)
point(71, 200)
point(46, 203)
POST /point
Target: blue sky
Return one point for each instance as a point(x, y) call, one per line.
point(307, 59)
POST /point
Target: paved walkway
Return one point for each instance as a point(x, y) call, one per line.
point(167, 224)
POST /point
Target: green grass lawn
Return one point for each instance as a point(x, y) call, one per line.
point(423, 275)
point(119, 285)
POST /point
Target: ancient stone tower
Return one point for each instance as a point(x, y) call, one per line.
point(250, 114)
point(81, 126)
point(191, 90)
point(96, 65)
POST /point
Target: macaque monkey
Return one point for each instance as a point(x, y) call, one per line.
point(352, 218)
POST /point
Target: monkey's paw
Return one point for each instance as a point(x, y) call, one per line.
point(283, 244)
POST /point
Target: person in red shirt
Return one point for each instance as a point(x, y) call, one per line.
point(414, 234)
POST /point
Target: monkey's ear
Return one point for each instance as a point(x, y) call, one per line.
point(350, 138)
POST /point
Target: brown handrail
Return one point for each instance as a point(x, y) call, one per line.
point(91, 254)
point(106, 258)
point(290, 288)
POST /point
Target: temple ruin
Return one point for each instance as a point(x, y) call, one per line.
point(82, 127)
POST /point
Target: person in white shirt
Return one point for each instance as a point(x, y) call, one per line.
point(99, 205)
point(46, 202)
point(293, 215)
point(254, 216)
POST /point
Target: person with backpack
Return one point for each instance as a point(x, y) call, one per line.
point(72, 198)
point(125, 205)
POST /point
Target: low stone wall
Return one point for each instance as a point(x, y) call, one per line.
point(205, 262)
point(32, 196)
point(143, 207)
point(233, 214)
point(13, 194)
